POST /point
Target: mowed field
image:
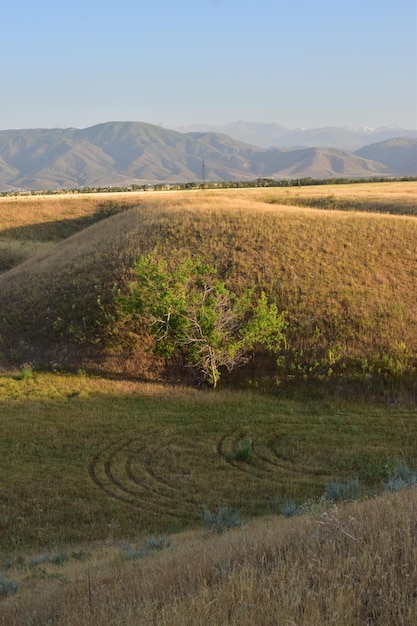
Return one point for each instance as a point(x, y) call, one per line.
point(104, 486)
point(107, 472)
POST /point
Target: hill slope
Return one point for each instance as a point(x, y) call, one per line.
point(347, 280)
point(398, 155)
point(125, 153)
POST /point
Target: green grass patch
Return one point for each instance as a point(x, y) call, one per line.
point(85, 459)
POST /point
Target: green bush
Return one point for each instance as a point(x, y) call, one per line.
point(189, 311)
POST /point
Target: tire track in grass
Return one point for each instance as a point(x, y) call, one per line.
point(100, 473)
point(108, 472)
point(167, 476)
point(127, 471)
point(262, 459)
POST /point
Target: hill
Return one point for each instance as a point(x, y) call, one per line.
point(398, 155)
point(318, 163)
point(126, 153)
point(346, 279)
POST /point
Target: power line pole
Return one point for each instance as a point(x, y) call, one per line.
point(203, 174)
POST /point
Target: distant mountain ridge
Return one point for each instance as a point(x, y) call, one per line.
point(267, 135)
point(125, 153)
point(398, 154)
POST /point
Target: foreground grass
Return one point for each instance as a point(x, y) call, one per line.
point(90, 459)
point(352, 564)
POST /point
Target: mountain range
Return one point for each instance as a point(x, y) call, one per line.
point(267, 135)
point(126, 153)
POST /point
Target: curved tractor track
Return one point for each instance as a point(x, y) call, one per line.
point(173, 475)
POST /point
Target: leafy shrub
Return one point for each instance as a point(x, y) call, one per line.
point(188, 310)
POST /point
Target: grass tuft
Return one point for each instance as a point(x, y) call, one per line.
point(243, 450)
point(7, 586)
point(221, 520)
point(400, 477)
point(26, 372)
point(341, 491)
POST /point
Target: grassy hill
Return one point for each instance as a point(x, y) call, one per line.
point(346, 279)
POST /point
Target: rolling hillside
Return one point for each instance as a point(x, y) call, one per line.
point(125, 153)
point(347, 279)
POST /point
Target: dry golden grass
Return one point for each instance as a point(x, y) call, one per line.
point(355, 564)
point(347, 279)
point(28, 210)
point(398, 191)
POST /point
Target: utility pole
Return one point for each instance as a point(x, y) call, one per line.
point(203, 174)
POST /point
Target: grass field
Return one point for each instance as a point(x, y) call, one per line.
point(105, 478)
point(98, 477)
point(84, 459)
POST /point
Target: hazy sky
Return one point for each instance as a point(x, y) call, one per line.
point(300, 63)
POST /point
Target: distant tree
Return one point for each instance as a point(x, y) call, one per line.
point(189, 310)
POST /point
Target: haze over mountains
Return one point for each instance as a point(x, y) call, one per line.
point(271, 134)
point(126, 153)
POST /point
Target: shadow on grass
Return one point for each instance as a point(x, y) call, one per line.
point(63, 228)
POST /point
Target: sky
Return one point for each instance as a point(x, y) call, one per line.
point(297, 63)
